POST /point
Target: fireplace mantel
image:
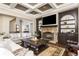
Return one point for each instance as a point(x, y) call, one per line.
point(55, 25)
point(49, 29)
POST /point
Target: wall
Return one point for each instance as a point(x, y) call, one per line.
point(4, 23)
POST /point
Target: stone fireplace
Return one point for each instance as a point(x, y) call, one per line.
point(51, 32)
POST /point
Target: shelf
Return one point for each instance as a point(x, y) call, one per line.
point(49, 25)
point(68, 24)
point(67, 28)
point(67, 20)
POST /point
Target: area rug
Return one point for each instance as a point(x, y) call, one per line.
point(53, 51)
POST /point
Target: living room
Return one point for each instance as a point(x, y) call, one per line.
point(39, 29)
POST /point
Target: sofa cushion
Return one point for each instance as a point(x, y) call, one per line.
point(5, 52)
point(13, 45)
point(5, 45)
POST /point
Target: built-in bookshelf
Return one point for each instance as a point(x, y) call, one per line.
point(68, 27)
point(67, 24)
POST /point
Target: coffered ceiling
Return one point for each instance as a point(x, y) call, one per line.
point(20, 7)
point(45, 7)
point(34, 8)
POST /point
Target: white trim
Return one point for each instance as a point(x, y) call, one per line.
point(52, 5)
point(12, 5)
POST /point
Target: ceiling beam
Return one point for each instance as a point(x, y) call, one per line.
point(52, 5)
point(28, 10)
point(55, 5)
point(27, 5)
point(38, 5)
point(38, 10)
point(12, 5)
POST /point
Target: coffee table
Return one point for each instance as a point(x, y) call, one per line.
point(36, 45)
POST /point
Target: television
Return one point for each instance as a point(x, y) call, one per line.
point(49, 20)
